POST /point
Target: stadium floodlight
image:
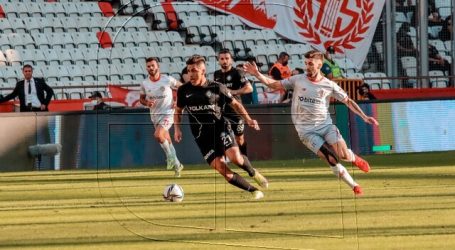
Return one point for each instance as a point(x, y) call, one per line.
point(39, 150)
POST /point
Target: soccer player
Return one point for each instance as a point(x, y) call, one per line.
point(204, 99)
point(311, 118)
point(237, 85)
point(156, 94)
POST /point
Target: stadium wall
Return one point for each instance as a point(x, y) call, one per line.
point(124, 139)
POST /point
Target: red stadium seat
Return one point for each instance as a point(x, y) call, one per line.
point(2, 12)
point(106, 8)
point(105, 39)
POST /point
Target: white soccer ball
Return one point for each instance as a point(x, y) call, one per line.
point(173, 193)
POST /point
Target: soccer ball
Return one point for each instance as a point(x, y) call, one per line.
point(173, 193)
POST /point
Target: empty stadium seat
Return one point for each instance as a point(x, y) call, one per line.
point(104, 39)
point(15, 9)
point(41, 41)
point(51, 56)
point(139, 54)
point(21, 41)
point(34, 9)
point(33, 57)
point(5, 26)
point(64, 56)
point(17, 25)
point(13, 57)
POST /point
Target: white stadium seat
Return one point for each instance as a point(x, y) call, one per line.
point(5, 26)
point(51, 56)
point(13, 57)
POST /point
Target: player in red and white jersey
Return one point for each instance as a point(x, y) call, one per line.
point(311, 117)
point(156, 94)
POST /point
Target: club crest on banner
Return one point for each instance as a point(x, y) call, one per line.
point(336, 23)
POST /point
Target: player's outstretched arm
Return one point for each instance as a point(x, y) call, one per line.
point(177, 122)
point(352, 105)
point(239, 109)
point(252, 69)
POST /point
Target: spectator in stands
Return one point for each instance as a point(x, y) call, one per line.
point(446, 32)
point(330, 68)
point(437, 62)
point(401, 7)
point(405, 46)
point(280, 70)
point(364, 92)
point(434, 19)
point(34, 94)
point(97, 100)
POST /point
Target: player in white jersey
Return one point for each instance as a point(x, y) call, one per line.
point(311, 117)
point(156, 93)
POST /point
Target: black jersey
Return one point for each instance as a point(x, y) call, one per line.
point(204, 104)
point(233, 80)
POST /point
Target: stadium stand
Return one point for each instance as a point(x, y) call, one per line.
point(92, 42)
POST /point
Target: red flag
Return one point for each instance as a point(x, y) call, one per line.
point(129, 97)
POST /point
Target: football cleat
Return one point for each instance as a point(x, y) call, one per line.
point(361, 164)
point(178, 169)
point(358, 190)
point(260, 179)
point(257, 195)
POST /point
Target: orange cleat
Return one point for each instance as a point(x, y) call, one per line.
point(358, 190)
point(361, 164)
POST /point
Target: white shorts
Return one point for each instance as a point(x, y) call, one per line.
point(315, 138)
point(164, 121)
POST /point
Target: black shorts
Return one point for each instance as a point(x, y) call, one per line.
point(237, 124)
point(214, 140)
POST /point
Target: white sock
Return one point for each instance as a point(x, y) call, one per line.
point(166, 148)
point(174, 154)
point(351, 156)
point(341, 172)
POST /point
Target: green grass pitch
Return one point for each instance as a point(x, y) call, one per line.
point(409, 203)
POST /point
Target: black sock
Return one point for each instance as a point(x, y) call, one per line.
point(243, 149)
point(239, 182)
point(247, 166)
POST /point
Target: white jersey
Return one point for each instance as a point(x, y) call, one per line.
point(311, 100)
point(161, 92)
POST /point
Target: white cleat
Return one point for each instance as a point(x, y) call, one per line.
point(178, 169)
point(260, 180)
point(257, 195)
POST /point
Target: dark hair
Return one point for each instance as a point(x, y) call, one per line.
point(360, 88)
point(96, 94)
point(27, 66)
point(314, 54)
point(283, 54)
point(194, 59)
point(300, 70)
point(225, 51)
point(150, 59)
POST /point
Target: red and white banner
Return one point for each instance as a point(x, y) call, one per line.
point(128, 96)
point(347, 25)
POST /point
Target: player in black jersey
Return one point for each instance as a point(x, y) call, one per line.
point(203, 100)
point(237, 85)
